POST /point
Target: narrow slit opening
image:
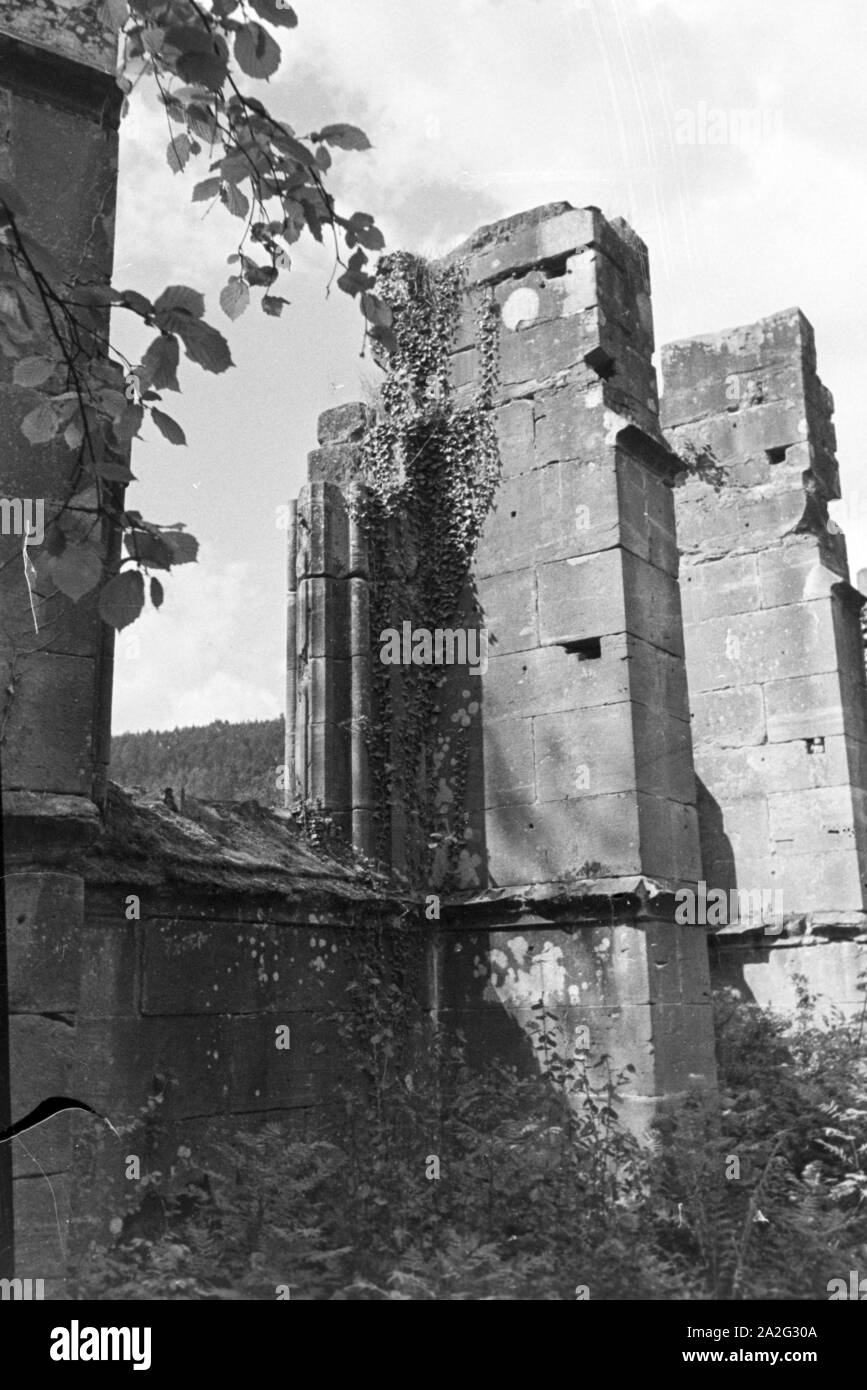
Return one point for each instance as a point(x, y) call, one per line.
point(587, 649)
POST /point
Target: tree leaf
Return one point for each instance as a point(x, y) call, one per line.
point(236, 201)
point(113, 471)
point(148, 550)
point(178, 153)
point(122, 599)
point(131, 299)
point(41, 424)
point(206, 346)
point(345, 137)
point(202, 121)
point(128, 423)
point(168, 427)
point(276, 12)
point(204, 59)
point(257, 52)
point(180, 297)
point(77, 570)
point(33, 371)
point(183, 548)
point(376, 311)
point(208, 188)
point(113, 14)
point(273, 304)
point(157, 593)
point(160, 364)
point(235, 297)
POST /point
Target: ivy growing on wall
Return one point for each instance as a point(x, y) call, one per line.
point(431, 464)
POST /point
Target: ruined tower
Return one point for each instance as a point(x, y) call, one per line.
point(580, 790)
point(773, 645)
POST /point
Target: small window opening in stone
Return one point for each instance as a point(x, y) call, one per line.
point(556, 268)
point(776, 455)
point(588, 649)
point(514, 513)
point(815, 745)
point(600, 362)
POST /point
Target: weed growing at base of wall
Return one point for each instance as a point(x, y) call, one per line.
point(534, 1199)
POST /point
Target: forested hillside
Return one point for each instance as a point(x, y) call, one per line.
point(219, 761)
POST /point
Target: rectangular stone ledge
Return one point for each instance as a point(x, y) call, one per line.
point(594, 900)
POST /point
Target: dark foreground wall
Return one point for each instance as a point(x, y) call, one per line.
point(207, 935)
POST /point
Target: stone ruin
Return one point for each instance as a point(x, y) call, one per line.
point(674, 697)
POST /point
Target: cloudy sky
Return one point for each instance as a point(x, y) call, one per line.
point(478, 109)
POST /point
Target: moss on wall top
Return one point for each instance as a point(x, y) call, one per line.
point(71, 28)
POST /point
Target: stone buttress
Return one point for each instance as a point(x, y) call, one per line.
point(60, 107)
point(774, 654)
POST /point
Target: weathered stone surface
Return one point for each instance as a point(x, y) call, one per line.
point(42, 913)
point(188, 969)
point(509, 768)
point(509, 610)
point(557, 839)
point(343, 424)
point(41, 1063)
point(50, 732)
point(731, 718)
point(608, 593)
point(323, 546)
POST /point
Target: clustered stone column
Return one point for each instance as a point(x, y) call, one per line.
point(328, 693)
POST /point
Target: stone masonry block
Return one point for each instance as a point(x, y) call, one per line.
point(333, 463)
point(559, 839)
point(515, 436)
point(508, 606)
point(323, 539)
point(732, 718)
point(509, 771)
point(804, 707)
point(249, 968)
point(819, 821)
point(263, 1077)
point(821, 882)
point(343, 424)
point(41, 1060)
point(323, 617)
point(109, 966)
point(669, 839)
point(612, 592)
point(753, 648)
point(49, 736)
point(328, 690)
point(43, 913)
point(730, 585)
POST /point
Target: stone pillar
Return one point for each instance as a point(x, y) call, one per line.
point(59, 106)
point(773, 640)
point(586, 763)
point(587, 757)
point(328, 642)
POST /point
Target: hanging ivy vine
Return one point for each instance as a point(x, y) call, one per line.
point(431, 464)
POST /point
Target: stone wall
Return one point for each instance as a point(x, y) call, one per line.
point(203, 933)
point(59, 110)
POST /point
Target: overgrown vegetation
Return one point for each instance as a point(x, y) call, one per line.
point(430, 461)
point(534, 1198)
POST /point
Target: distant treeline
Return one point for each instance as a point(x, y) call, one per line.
point(219, 761)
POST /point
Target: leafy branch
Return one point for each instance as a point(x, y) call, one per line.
point(55, 325)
